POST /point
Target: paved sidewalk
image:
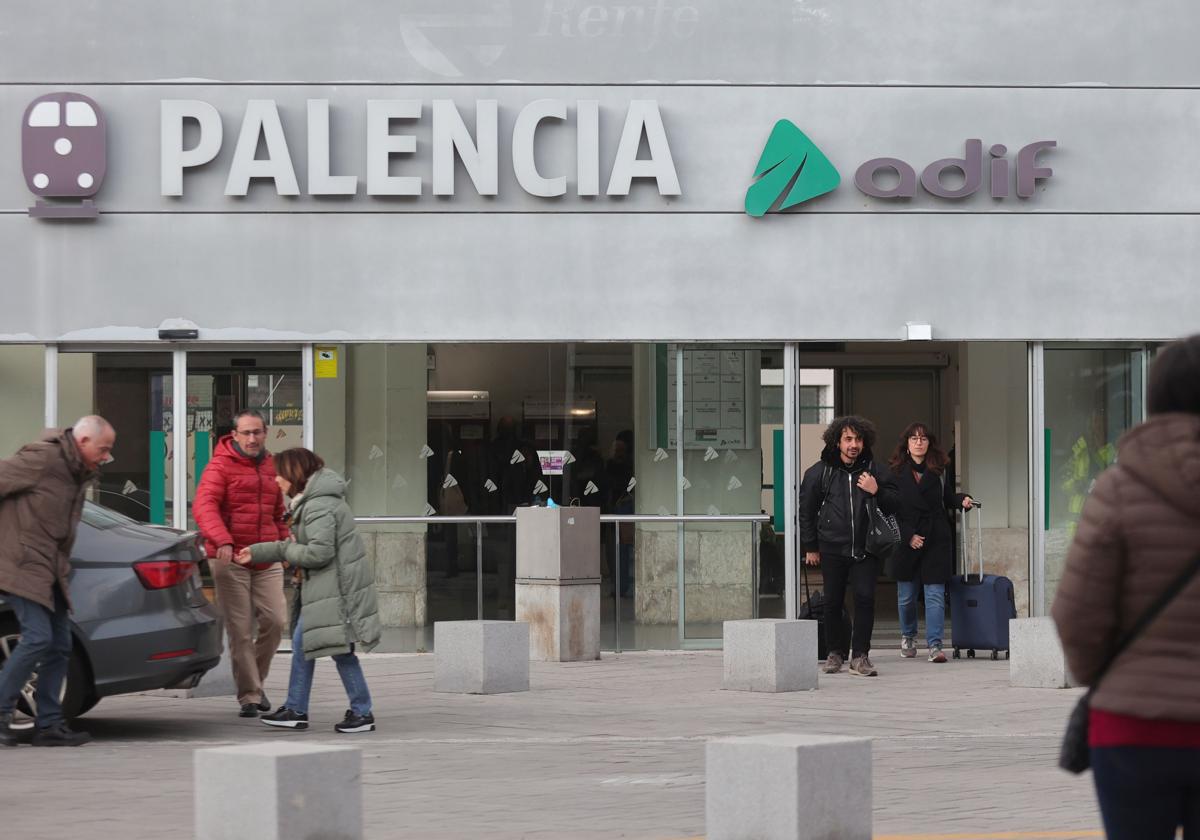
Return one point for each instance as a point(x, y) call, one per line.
point(596, 750)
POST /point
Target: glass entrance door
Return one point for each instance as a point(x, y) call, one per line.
point(1091, 395)
point(724, 410)
point(221, 384)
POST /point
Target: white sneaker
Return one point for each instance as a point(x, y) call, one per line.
point(908, 647)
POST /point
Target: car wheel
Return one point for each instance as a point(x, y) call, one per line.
point(76, 694)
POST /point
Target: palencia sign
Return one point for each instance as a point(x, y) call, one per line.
point(451, 139)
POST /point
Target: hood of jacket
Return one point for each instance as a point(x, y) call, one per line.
point(1164, 454)
point(324, 482)
point(64, 439)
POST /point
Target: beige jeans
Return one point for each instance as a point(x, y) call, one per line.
point(242, 596)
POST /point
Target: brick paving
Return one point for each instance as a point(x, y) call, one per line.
point(596, 750)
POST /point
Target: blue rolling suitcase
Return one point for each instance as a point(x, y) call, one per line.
point(980, 605)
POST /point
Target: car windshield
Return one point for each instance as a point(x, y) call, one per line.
point(102, 517)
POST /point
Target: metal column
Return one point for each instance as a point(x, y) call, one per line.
point(1037, 476)
point(308, 395)
point(50, 412)
point(791, 455)
point(179, 410)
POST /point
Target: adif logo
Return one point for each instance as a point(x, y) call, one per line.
point(790, 163)
point(64, 153)
point(792, 170)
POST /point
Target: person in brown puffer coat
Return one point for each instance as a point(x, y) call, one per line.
point(1140, 529)
point(42, 491)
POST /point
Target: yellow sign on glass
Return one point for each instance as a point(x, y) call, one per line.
point(326, 362)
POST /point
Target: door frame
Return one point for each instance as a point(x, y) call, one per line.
point(179, 370)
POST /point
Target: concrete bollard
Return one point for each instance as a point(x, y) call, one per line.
point(770, 654)
point(558, 581)
point(278, 791)
point(1036, 656)
point(788, 787)
point(481, 657)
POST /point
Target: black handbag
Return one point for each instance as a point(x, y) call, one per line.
point(1075, 756)
point(883, 531)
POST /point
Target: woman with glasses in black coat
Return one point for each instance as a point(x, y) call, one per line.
point(924, 479)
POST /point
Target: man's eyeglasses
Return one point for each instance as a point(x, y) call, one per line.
point(251, 433)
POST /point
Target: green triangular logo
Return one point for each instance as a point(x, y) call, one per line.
point(789, 156)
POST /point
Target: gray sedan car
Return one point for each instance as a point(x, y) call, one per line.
point(140, 619)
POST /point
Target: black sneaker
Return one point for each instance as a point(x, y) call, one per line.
point(264, 705)
point(59, 735)
point(353, 723)
point(285, 718)
point(249, 710)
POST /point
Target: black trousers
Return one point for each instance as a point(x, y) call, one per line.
point(837, 571)
point(1147, 792)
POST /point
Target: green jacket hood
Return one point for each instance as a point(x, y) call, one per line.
point(325, 482)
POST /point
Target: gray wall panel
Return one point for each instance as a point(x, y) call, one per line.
point(606, 277)
point(932, 42)
point(1127, 151)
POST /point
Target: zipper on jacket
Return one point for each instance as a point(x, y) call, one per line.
point(850, 482)
point(258, 472)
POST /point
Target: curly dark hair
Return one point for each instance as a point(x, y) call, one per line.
point(861, 426)
point(935, 459)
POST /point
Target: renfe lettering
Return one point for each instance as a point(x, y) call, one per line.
point(969, 167)
point(476, 147)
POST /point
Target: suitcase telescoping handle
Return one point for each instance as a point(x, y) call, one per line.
point(966, 512)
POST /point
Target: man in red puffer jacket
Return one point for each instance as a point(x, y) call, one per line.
point(237, 505)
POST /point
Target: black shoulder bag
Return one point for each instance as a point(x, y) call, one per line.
point(883, 531)
point(1075, 756)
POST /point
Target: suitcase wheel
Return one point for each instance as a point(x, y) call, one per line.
point(970, 653)
point(995, 655)
point(957, 653)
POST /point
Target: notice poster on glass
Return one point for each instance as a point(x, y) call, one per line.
point(719, 387)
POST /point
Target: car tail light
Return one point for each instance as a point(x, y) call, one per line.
point(163, 574)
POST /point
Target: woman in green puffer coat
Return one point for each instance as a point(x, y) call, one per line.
point(336, 583)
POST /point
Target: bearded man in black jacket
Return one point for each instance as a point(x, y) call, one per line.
point(833, 532)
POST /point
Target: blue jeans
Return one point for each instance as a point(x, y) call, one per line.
point(45, 647)
point(935, 609)
point(301, 678)
point(1145, 793)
